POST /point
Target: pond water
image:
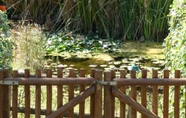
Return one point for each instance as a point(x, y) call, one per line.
point(119, 63)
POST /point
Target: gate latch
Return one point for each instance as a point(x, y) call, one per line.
point(7, 82)
point(112, 83)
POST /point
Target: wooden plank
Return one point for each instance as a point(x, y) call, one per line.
point(49, 100)
point(59, 96)
point(15, 73)
point(151, 81)
point(14, 102)
point(133, 93)
point(107, 96)
point(122, 89)
point(82, 88)
point(155, 93)
point(59, 89)
point(1, 94)
point(38, 102)
point(113, 75)
point(15, 97)
point(38, 96)
point(27, 101)
point(144, 91)
point(71, 93)
point(98, 96)
point(130, 101)
point(53, 81)
point(27, 73)
point(60, 73)
point(166, 96)
point(92, 98)
point(6, 97)
point(177, 97)
point(38, 73)
point(78, 99)
point(27, 95)
point(49, 94)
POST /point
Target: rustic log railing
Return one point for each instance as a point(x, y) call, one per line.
point(122, 88)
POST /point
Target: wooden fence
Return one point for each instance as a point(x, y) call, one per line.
point(106, 94)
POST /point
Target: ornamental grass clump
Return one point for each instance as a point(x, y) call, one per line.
point(29, 42)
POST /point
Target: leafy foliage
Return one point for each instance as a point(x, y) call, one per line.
point(175, 43)
point(175, 46)
point(59, 42)
point(6, 43)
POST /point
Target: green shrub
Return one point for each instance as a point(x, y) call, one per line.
point(175, 43)
point(6, 44)
point(175, 46)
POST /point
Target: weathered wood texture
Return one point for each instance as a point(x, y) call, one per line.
point(98, 95)
point(126, 90)
point(1, 94)
point(107, 96)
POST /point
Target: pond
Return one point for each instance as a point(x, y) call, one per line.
point(117, 63)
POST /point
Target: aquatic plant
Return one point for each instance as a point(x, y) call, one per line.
point(57, 43)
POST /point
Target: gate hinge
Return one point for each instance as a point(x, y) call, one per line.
point(112, 83)
point(7, 82)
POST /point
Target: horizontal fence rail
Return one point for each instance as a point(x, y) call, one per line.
point(104, 94)
point(52, 81)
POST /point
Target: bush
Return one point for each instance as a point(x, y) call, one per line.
point(6, 44)
point(175, 42)
point(175, 46)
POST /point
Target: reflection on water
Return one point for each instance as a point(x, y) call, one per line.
point(123, 63)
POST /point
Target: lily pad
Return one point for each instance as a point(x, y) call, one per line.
point(103, 66)
point(92, 66)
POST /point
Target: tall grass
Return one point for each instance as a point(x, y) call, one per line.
point(29, 47)
point(127, 19)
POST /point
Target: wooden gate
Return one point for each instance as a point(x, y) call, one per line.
point(120, 94)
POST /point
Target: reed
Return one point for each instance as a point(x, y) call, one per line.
point(109, 18)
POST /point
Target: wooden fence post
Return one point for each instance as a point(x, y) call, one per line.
point(166, 96)
point(59, 89)
point(122, 89)
point(155, 93)
point(1, 94)
point(144, 91)
point(38, 96)
point(6, 97)
point(15, 97)
point(177, 97)
point(82, 88)
point(27, 95)
point(92, 98)
point(107, 96)
point(49, 94)
point(71, 93)
point(98, 95)
point(113, 75)
point(133, 93)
